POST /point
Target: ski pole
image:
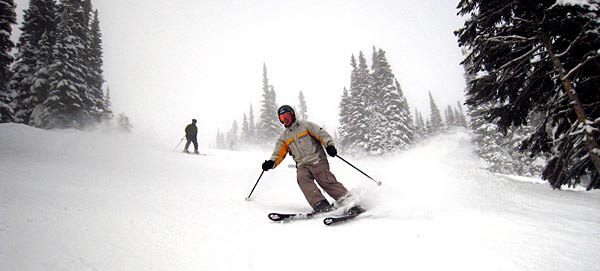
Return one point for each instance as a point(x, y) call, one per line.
point(377, 182)
point(179, 143)
point(248, 198)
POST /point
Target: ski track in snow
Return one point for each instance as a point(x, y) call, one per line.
point(72, 200)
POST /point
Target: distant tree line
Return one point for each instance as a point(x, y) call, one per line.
point(55, 79)
point(533, 67)
point(266, 129)
point(374, 114)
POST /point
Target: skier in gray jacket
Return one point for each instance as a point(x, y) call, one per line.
point(304, 140)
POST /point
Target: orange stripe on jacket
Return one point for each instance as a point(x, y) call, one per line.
point(301, 134)
point(283, 150)
point(316, 137)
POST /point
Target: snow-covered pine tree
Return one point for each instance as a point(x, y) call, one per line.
point(428, 128)
point(540, 56)
point(435, 124)
point(37, 36)
point(220, 140)
point(107, 115)
point(68, 102)
point(461, 119)
point(123, 123)
point(419, 125)
point(8, 17)
point(396, 122)
point(381, 85)
point(489, 142)
point(502, 151)
point(232, 136)
point(450, 119)
point(407, 129)
point(302, 108)
point(41, 81)
point(252, 132)
point(344, 129)
point(268, 124)
point(360, 109)
point(245, 132)
point(95, 77)
point(88, 11)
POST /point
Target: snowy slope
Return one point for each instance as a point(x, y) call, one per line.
point(72, 200)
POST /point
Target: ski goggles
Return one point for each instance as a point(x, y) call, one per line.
point(284, 115)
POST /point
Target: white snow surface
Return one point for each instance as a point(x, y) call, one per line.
point(72, 200)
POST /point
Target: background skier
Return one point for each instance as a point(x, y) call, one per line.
point(191, 133)
point(304, 140)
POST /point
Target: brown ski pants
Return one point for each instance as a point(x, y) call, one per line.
point(306, 176)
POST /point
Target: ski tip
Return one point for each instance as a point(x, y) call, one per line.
point(275, 217)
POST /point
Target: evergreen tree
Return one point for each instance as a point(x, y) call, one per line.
point(428, 128)
point(33, 57)
point(232, 136)
point(407, 129)
point(435, 125)
point(87, 13)
point(450, 119)
point(69, 102)
point(107, 115)
point(95, 78)
point(488, 140)
point(345, 130)
point(124, 124)
point(360, 111)
point(395, 118)
point(419, 125)
point(539, 56)
point(252, 132)
point(41, 78)
point(302, 109)
point(268, 124)
point(379, 87)
point(502, 151)
point(220, 140)
point(8, 17)
point(461, 120)
point(245, 133)
point(374, 114)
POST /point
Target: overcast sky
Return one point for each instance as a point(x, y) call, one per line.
point(169, 61)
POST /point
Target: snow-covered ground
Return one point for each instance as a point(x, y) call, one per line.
point(72, 200)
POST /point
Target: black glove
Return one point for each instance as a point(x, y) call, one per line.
point(331, 151)
point(268, 164)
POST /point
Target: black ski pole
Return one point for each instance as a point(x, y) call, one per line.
point(179, 143)
point(248, 198)
point(377, 182)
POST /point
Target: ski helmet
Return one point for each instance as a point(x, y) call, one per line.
point(284, 109)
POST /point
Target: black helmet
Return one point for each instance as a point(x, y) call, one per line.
point(285, 108)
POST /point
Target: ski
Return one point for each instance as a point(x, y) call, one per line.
point(196, 153)
point(332, 219)
point(288, 217)
point(352, 213)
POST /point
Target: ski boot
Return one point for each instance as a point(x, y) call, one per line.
point(355, 210)
point(323, 207)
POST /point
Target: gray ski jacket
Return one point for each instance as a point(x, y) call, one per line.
point(304, 140)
